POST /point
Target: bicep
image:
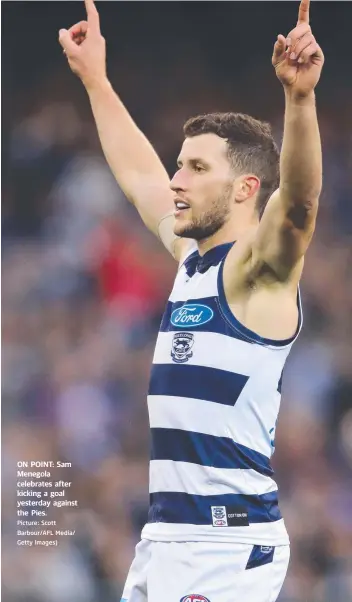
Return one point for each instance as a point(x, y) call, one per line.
point(283, 235)
point(151, 197)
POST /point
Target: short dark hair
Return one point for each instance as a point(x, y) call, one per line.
point(251, 147)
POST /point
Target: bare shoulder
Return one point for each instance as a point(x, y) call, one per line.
point(244, 269)
point(256, 297)
point(238, 261)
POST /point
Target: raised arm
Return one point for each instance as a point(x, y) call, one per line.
point(132, 159)
point(287, 225)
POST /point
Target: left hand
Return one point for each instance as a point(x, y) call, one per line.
point(298, 59)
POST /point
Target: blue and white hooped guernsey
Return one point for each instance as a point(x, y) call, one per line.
point(213, 402)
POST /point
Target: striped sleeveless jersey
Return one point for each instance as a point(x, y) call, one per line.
point(213, 403)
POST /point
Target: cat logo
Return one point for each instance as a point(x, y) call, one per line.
point(219, 516)
point(181, 347)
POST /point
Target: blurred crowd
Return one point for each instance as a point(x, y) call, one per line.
point(83, 290)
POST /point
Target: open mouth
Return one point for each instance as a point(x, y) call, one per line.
point(181, 206)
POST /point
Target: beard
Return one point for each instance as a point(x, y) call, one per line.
point(210, 221)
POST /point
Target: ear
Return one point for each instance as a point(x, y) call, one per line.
point(246, 187)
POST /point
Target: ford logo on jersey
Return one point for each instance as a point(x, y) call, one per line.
point(190, 315)
point(194, 598)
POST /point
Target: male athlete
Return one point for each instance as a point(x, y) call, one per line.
point(215, 532)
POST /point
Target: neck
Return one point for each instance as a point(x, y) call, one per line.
point(228, 233)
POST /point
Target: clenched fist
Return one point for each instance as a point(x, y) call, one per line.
point(298, 59)
point(84, 47)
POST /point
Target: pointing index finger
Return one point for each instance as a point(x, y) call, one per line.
point(92, 14)
point(303, 12)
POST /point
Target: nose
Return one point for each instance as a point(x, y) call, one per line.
point(178, 182)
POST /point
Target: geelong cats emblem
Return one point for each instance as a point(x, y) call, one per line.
point(181, 347)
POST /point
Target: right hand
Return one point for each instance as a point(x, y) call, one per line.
point(84, 47)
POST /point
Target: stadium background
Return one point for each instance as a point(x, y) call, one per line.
point(83, 284)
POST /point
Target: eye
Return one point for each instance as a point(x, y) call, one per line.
point(198, 168)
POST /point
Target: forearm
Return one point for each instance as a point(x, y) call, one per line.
point(129, 154)
point(301, 155)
